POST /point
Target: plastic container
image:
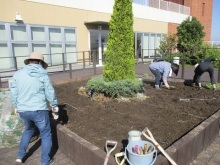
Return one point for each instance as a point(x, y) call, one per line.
point(176, 60)
point(138, 159)
point(134, 135)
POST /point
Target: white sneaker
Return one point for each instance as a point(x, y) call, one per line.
point(18, 161)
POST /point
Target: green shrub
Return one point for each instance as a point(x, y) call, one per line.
point(212, 51)
point(124, 88)
point(206, 51)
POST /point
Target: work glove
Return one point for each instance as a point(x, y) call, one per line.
point(55, 113)
point(16, 112)
point(55, 109)
point(172, 87)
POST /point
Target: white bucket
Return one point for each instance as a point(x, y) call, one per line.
point(137, 159)
point(176, 60)
point(134, 135)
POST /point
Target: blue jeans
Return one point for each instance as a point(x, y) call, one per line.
point(31, 120)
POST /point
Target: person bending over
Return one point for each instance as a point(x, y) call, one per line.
point(204, 66)
point(162, 70)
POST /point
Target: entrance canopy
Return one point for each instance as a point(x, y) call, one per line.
point(97, 24)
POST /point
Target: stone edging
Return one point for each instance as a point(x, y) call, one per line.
point(184, 151)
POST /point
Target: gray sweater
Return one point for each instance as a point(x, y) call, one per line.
point(163, 67)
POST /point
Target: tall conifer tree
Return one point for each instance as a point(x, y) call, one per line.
point(119, 56)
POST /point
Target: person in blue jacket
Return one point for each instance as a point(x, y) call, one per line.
point(31, 88)
point(161, 70)
point(204, 66)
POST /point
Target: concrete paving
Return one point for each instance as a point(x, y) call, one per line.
point(209, 156)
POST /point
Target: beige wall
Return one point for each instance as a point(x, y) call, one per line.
point(141, 25)
point(43, 14)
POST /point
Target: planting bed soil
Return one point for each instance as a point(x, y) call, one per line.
point(162, 112)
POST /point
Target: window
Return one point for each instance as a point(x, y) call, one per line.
point(148, 43)
point(56, 54)
point(20, 51)
point(145, 42)
point(18, 33)
point(71, 54)
point(55, 34)
point(158, 38)
point(70, 35)
point(70, 47)
point(5, 61)
point(152, 44)
point(38, 34)
point(2, 33)
point(19, 40)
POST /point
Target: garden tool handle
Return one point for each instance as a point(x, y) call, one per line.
point(151, 138)
point(120, 154)
point(55, 115)
point(109, 142)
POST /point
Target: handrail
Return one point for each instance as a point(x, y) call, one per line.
point(164, 5)
point(91, 60)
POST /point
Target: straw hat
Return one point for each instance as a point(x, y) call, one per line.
point(36, 56)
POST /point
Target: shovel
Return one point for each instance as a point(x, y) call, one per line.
point(109, 143)
point(151, 138)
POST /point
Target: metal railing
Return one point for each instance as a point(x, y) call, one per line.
point(184, 58)
point(85, 60)
point(164, 5)
point(214, 43)
point(89, 59)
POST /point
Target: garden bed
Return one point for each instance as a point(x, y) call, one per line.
point(168, 118)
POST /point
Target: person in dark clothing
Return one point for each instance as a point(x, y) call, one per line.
point(204, 66)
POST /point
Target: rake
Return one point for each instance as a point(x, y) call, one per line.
point(151, 138)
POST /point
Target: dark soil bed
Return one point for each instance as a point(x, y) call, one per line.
point(167, 118)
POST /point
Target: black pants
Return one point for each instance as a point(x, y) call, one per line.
point(202, 68)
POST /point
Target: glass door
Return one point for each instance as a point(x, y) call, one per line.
point(98, 44)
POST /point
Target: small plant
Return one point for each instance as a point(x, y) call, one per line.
point(209, 85)
point(115, 89)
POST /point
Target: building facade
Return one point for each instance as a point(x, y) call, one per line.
point(202, 10)
point(69, 27)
